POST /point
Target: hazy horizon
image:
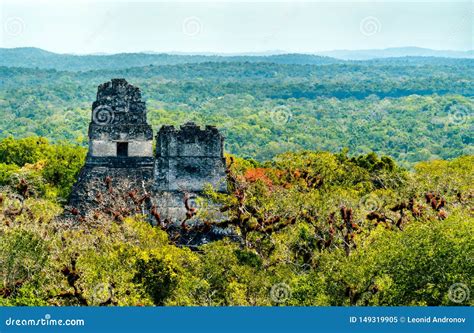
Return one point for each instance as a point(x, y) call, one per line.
point(265, 52)
point(221, 27)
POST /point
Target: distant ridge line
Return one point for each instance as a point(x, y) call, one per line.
point(31, 57)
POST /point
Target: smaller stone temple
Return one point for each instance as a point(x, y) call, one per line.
point(121, 157)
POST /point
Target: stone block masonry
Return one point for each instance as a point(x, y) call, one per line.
point(189, 158)
point(120, 155)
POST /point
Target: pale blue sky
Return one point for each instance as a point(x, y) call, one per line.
point(90, 26)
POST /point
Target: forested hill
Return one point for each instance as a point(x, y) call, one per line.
point(327, 215)
point(397, 52)
point(33, 57)
point(30, 57)
point(412, 109)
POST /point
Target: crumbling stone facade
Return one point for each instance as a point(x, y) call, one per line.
point(120, 154)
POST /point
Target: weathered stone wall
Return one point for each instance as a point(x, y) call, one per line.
point(186, 160)
point(140, 148)
point(94, 183)
point(119, 116)
point(189, 158)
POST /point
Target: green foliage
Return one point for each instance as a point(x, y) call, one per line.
point(249, 258)
point(7, 171)
point(34, 166)
point(409, 110)
point(156, 278)
point(23, 254)
point(21, 152)
point(315, 228)
point(413, 267)
point(371, 162)
point(326, 197)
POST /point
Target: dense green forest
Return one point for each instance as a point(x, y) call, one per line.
point(31, 57)
point(412, 109)
point(349, 183)
point(314, 228)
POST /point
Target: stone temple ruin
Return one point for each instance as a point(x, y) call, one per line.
point(121, 153)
